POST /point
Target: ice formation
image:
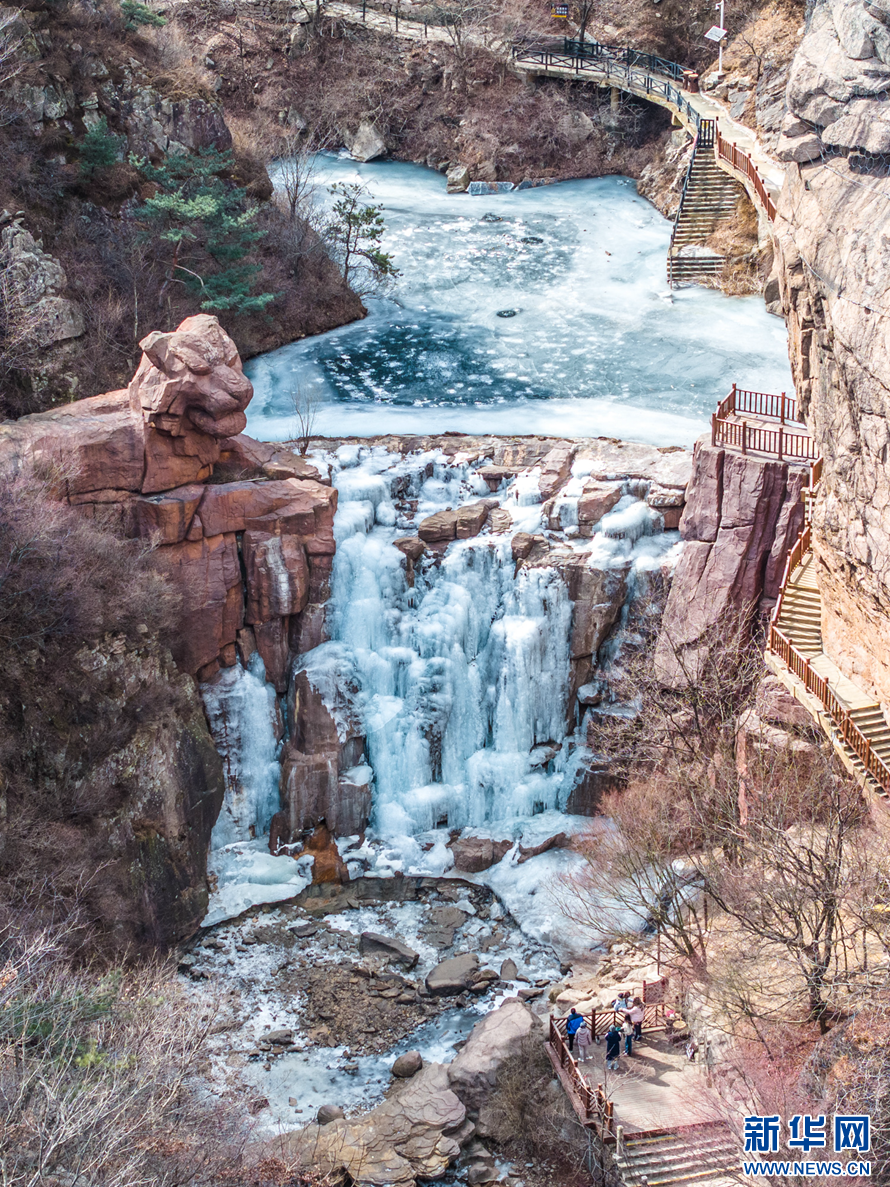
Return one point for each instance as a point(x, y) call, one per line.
point(594, 347)
point(243, 715)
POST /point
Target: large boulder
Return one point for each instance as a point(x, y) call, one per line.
point(473, 1073)
point(414, 1134)
point(458, 179)
point(472, 855)
point(391, 950)
point(367, 143)
point(454, 975)
point(407, 1065)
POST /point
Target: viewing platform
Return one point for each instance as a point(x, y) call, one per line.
point(764, 425)
point(654, 1111)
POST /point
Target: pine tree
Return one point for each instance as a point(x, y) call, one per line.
point(98, 149)
point(209, 227)
point(137, 14)
point(355, 231)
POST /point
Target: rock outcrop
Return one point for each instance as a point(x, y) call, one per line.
point(245, 532)
point(419, 1130)
point(832, 257)
point(144, 456)
point(473, 1072)
point(742, 515)
point(415, 1134)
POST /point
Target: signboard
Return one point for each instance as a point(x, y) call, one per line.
point(559, 10)
point(715, 33)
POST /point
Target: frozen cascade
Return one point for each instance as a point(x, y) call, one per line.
point(242, 710)
point(459, 678)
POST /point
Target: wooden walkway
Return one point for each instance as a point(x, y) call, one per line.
point(853, 720)
point(737, 150)
point(654, 1110)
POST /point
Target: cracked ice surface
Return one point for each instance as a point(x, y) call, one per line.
point(598, 345)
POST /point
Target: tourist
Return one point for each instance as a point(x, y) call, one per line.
point(613, 1047)
point(637, 1014)
point(627, 1028)
point(620, 1002)
point(582, 1035)
point(573, 1023)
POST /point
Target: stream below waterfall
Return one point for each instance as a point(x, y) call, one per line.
point(460, 675)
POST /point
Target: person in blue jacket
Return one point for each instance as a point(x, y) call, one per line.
point(573, 1024)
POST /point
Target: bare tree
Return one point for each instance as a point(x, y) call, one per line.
point(13, 31)
point(297, 174)
point(466, 22)
point(306, 405)
point(94, 1072)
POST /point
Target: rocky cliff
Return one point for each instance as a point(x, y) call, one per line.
point(742, 515)
point(831, 240)
point(244, 533)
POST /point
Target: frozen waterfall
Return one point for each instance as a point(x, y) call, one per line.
point(242, 712)
point(463, 678)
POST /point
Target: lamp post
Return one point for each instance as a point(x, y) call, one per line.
point(719, 7)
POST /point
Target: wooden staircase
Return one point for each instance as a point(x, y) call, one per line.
point(709, 196)
point(698, 1154)
point(800, 620)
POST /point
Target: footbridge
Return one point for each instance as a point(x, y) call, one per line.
point(723, 147)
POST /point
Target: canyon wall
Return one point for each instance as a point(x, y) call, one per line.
point(832, 247)
point(741, 517)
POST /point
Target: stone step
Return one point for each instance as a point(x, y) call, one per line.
point(690, 1171)
point(680, 1155)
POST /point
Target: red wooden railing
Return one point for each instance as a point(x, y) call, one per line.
point(593, 1103)
point(795, 556)
point(799, 665)
point(764, 405)
point(742, 163)
point(737, 434)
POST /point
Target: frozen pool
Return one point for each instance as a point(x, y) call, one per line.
point(594, 342)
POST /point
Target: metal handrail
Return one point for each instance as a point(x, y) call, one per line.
point(612, 68)
point(624, 55)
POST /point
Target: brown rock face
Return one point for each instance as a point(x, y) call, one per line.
point(209, 575)
point(831, 237)
point(474, 854)
point(256, 550)
point(741, 517)
point(143, 456)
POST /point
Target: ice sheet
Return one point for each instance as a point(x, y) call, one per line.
point(597, 344)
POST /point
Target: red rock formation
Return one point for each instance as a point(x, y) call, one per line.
point(143, 457)
point(742, 515)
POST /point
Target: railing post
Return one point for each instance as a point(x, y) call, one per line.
point(732, 399)
point(783, 407)
point(713, 428)
point(781, 441)
point(744, 439)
